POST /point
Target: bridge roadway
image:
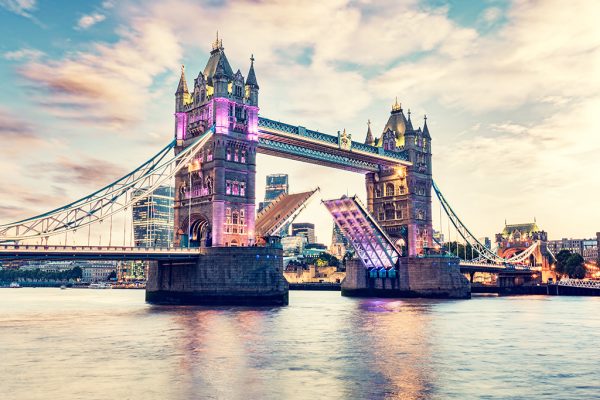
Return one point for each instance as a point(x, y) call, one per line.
point(469, 267)
point(117, 253)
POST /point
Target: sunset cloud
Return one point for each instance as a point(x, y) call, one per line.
point(110, 85)
point(91, 172)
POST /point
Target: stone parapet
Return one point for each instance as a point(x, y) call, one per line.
point(435, 277)
point(221, 276)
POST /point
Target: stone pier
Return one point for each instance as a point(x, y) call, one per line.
point(432, 277)
point(221, 276)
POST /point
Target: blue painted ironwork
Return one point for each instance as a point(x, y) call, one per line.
point(325, 138)
point(306, 153)
point(108, 201)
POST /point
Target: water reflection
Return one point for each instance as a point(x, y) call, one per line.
point(82, 344)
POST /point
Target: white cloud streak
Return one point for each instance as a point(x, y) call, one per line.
point(87, 21)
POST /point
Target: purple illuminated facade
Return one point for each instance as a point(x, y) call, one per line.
point(215, 195)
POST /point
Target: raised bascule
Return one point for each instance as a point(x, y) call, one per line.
point(224, 253)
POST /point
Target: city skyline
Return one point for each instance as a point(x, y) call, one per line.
point(509, 133)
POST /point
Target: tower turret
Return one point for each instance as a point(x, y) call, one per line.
point(252, 85)
point(182, 95)
point(409, 126)
point(425, 128)
point(369, 140)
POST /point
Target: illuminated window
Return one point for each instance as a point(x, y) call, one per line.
point(236, 157)
point(242, 189)
point(228, 154)
point(235, 189)
point(243, 159)
point(209, 155)
point(228, 188)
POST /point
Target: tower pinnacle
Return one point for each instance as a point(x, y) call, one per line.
point(251, 79)
point(217, 44)
point(182, 87)
point(397, 106)
point(369, 140)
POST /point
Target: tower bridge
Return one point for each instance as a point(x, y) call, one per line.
point(216, 257)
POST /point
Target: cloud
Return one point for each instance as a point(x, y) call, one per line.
point(23, 54)
point(89, 171)
point(19, 7)
point(491, 15)
point(15, 132)
point(544, 51)
point(87, 21)
point(108, 86)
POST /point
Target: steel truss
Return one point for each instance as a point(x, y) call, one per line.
point(108, 201)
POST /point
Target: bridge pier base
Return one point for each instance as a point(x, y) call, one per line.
point(221, 276)
point(430, 277)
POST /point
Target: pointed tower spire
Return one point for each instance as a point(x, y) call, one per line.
point(409, 126)
point(369, 140)
point(425, 128)
point(251, 79)
point(182, 87)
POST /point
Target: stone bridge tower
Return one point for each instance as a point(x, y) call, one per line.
point(400, 199)
point(215, 195)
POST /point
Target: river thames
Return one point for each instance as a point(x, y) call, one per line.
point(109, 344)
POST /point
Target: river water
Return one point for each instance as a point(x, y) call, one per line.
point(109, 344)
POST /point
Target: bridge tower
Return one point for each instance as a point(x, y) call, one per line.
point(215, 195)
point(400, 198)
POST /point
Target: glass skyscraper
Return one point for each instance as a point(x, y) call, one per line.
point(153, 219)
point(276, 185)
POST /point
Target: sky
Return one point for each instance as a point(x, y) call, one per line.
point(511, 90)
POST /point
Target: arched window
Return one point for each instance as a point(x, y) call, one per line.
point(234, 221)
point(228, 187)
point(236, 157)
point(228, 154)
point(389, 189)
point(235, 190)
point(209, 155)
point(243, 160)
point(242, 189)
point(377, 191)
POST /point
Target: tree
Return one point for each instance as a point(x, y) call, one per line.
point(561, 261)
point(576, 266)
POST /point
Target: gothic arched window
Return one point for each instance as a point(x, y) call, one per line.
point(228, 154)
point(389, 189)
point(243, 159)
